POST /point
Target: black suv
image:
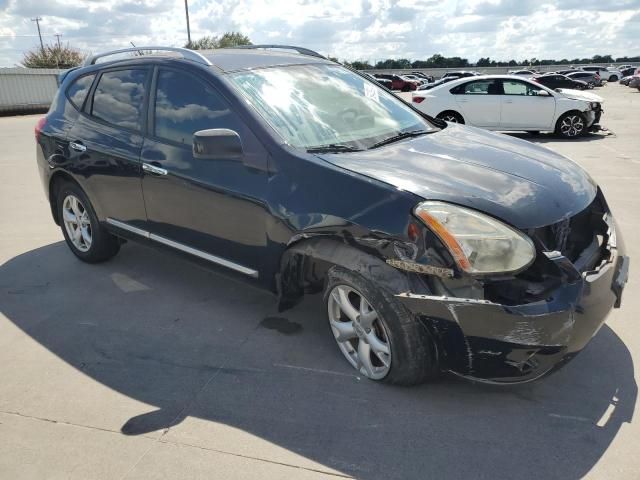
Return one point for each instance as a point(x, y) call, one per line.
point(436, 246)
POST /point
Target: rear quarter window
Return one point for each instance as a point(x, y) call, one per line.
point(78, 90)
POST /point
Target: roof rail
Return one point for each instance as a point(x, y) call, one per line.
point(186, 54)
point(300, 50)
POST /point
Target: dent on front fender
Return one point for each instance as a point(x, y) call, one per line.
point(304, 266)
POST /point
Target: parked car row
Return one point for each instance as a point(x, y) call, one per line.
point(631, 77)
point(511, 103)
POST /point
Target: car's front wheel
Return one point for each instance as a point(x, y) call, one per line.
point(451, 116)
point(377, 335)
point(613, 78)
point(571, 125)
point(87, 239)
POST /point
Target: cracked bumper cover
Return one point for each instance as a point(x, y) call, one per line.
point(512, 344)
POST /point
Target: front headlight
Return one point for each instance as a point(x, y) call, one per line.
point(478, 243)
point(594, 105)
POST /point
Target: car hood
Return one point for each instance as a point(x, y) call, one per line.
point(581, 95)
point(522, 183)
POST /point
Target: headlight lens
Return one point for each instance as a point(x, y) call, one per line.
point(478, 243)
point(594, 105)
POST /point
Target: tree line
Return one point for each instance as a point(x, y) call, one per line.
point(440, 61)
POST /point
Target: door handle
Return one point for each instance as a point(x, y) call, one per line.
point(153, 169)
point(77, 146)
point(508, 101)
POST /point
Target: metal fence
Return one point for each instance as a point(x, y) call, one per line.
point(25, 90)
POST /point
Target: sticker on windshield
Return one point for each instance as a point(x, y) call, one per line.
point(371, 91)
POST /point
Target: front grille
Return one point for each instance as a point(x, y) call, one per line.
point(580, 238)
point(572, 236)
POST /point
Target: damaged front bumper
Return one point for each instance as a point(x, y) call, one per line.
point(498, 343)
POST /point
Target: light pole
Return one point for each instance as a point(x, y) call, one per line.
point(186, 10)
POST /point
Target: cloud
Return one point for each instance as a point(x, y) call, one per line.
point(357, 29)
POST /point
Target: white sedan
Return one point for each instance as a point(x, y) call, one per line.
point(509, 103)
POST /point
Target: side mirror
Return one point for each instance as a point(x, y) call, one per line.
point(543, 93)
point(217, 144)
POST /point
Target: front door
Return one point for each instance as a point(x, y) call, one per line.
point(523, 107)
point(213, 209)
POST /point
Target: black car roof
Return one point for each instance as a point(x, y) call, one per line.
point(233, 59)
point(220, 60)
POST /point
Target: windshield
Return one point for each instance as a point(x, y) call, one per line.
point(313, 106)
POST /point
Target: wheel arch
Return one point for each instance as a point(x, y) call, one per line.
point(304, 266)
point(57, 179)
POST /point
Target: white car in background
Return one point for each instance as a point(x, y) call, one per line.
point(510, 103)
point(523, 73)
point(610, 74)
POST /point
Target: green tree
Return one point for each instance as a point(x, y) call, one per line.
point(53, 56)
point(361, 65)
point(233, 39)
point(229, 39)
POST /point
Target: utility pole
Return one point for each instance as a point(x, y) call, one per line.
point(186, 10)
point(37, 20)
point(58, 35)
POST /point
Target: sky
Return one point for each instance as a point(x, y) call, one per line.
point(348, 29)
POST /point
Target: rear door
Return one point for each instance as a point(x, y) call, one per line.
point(106, 140)
point(523, 107)
point(479, 102)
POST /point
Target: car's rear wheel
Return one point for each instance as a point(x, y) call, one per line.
point(613, 78)
point(571, 125)
point(451, 116)
point(377, 335)
point(87, 239)
point(406, 88)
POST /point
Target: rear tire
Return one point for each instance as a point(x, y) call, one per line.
point(613, 78)
point(85, 236)
point(396, 347)
point(451, 117)
point(571, 125)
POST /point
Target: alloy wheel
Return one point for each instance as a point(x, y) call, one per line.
point(359, 331)
point(572, 126)
point(450, 118)
point(77, 222)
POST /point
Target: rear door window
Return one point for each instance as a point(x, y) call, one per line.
point(78, 90)
point(119, 98)
point(481, 87)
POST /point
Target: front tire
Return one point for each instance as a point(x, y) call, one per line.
point(87, 239)
point(377, 335)
point(613, 78)
point(571, 125)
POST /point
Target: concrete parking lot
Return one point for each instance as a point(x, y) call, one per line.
point(151, 367)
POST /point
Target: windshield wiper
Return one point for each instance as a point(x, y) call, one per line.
point(399, 136)
point(333, 148)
